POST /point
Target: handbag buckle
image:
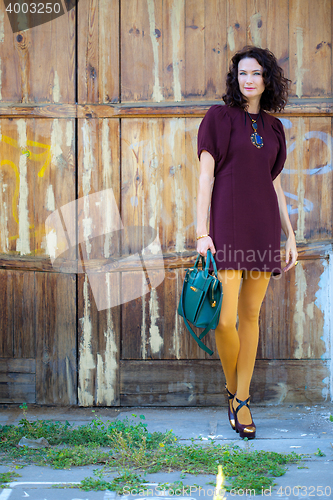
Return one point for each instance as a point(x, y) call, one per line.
point(213, 303)
point(193, 288)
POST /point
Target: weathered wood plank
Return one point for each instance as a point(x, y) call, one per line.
point(141, 51)
point(6, 314)
point(50, 46)
point(17, 314)
point(98, 349)
point(215, 61)
point(310, 43)
point(158, 332)
point(295, 107)
point(56, 340)
point(236, 27)
point(292, 318)
point(201, 382)
point(99, 325)
point(173, 47)
point(307, 251)
point(195, 49)
point(307, 177)
point(98, 51)
point(17, 365)
point(17, 380)
point(24, 314)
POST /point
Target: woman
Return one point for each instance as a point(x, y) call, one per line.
point(242, 151)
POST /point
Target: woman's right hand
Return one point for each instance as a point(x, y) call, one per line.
point(203, 244)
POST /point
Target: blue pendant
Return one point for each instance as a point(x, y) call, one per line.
point(257, 140)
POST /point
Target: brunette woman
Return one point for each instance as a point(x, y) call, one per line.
point(242, 151)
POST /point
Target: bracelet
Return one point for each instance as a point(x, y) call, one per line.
point(202, 236)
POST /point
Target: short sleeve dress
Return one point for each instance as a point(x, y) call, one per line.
point(245, 223)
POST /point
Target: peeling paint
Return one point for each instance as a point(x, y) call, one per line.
point(299, 314)
point(69, 133)
point(0, 80)
point(143, 324)
point(300, 231)
point(71, 396)
point(324, 302)
point(88, 165)
point(157, 94)
point(51, 244)
point(2, 26)
point(107, 369)
point(50, 201)
point(86, 358)
point(231, 38)
point(175, 35)
point(156, 341)
point(107, 170)
point(56, 141)
point(23, 241)
point(175, 337)
point(176, 127)
point(299, 62)
point(4, 234)
point(56, 87)
point(255, 29)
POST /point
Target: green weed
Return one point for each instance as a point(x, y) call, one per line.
point(7, 477)
point(128, 445)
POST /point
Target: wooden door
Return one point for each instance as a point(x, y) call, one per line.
point(110, 96)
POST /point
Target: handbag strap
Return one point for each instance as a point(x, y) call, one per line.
point(206, 330)
point(197, 339)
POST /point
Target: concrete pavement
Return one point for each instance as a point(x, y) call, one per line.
point(283, 428)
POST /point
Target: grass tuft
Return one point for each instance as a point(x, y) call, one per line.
point(128, 445)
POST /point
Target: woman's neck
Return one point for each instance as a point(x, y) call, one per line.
point(253, 107)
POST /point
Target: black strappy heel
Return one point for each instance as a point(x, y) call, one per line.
point(231, 415)
point(245, 431)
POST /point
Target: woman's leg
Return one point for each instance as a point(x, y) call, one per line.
point(226, 336)
point(251, 296)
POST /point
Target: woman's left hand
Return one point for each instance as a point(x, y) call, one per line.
point(291, 253)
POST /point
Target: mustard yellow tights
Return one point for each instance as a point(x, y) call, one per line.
point(238, 349)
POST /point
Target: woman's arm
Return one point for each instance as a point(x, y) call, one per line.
point(291, 250)
point(206, 181)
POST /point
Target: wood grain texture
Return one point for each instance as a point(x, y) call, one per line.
point(17, 317)
point(98, 350)
point(158, 332)
point(236, 27)
point(37, 176)
point(98, 51)
point(311, 251)
point(98, 331)
point(310, 47)
point(307, 177)
point(292, 318)
point(56, 340)
point(295, 107)
point(17, 380)
point(201, 382)
point(42, 61)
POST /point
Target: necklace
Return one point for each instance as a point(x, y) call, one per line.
point(256, 139)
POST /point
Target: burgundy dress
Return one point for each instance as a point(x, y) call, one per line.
point(245, 223)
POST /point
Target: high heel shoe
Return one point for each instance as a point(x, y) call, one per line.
point(231, 414)
point(248, 431)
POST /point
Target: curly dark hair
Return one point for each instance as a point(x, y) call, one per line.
point(275, 95)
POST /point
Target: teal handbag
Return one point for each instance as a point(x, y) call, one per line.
point(201, 299)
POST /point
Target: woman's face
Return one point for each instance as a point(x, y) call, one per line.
point(250, 80)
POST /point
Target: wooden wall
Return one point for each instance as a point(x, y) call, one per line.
point(110, 96)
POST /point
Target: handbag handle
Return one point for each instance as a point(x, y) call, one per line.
point(210, 258)
point(205, 265)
